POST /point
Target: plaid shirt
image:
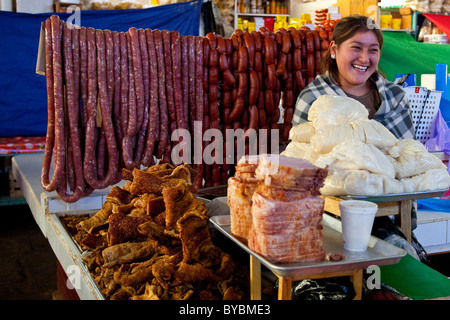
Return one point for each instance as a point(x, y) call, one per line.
point(393, 113)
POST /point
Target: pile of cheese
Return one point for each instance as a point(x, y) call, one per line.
point(363, 157)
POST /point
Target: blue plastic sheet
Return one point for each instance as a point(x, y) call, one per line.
point(432, 204)
point(23, 97)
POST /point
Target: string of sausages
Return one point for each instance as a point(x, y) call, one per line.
point(115, 98)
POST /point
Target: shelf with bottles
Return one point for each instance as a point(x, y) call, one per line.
point(252, 10)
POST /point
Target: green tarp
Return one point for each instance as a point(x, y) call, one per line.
point(401, 53)
point(415, 280)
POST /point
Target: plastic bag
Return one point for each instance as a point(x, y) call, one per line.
point(441, 140)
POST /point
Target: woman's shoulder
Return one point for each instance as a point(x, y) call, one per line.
point(383, 83)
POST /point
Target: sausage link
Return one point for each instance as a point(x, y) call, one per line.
point(198, 181)
point(268, 102)
point(238, 108)
point(154, 122)
point(50, 136)
point(229, 78)
point(163, 110)
point(243, 59)
point(296, 40)
point(254, 88)
point(254, 117)
point(106, 114)
point(145, 78)
point(132, 106)
point(211, 37)
point(271, 77)
point(286, 43)
point(269, 54)
point(176, 71)
point(213, 60)
point(297, 59)
point(309, 43)
point(281, 66)
point(57, 96)
point(250, 45)
point(191, 75)
point(221, 45)
point(184, 80)
point(117, 89)
point(138, 80)
point(310, 65)
point(316, 38)
point(242, 84)
point(169, 74)
point(83, 74)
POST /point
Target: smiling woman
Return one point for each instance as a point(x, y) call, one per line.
point(350, 68)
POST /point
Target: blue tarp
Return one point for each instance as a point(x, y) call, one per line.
point(23, 97)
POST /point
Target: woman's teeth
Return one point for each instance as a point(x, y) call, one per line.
point(359, 67)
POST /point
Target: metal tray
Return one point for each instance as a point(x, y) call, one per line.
point(379, 252)
point(397, 196)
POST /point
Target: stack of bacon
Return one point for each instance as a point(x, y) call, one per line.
point(240, 192)
point(286, 210)
point(116, 98)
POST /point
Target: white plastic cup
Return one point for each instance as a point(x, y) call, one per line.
point(357, 218)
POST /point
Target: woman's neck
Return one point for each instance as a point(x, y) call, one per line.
point(358, 90)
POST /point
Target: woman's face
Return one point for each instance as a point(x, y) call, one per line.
point(357, 59)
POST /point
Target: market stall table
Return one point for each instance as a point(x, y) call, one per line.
point(379, 253)
point(46, 207)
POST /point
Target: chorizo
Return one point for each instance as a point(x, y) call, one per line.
point(223, 62)
point(258, 61)
point(123, 82)
point(257, 40)
point(309, 43)
point(250, 45)
point(229, 78)
point(324, 44)
point(298, 78)
point(253, 117)
point(177, 86)
point(286, 43)
point(106, 118)
point(254, 88)
point(238, 108)
point(271, 77)
point(138, 80)
point(268, 51)
point(211, 37)
point(242, 84)
point(268, 102)
point(162, 102)
point(316, 38)
point(169, 74)
point(213, 77)
point(47, 184)
point(296, 40)
point(214, 113)
point(281, 66)
point(191, 81)
point(310, 65)
point(297, 59)
point(317, 57)
point(213, 58)
point(221, 45)
point(153, 124)
point(242, 59)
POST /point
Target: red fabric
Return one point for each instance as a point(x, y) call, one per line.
point(14, 145)
point(441, 21)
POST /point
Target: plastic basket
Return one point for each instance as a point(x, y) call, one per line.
point(424, 106)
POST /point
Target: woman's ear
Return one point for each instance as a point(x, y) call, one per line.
point(333, 47)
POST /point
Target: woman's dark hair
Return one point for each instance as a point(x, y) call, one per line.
point(345, 29)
